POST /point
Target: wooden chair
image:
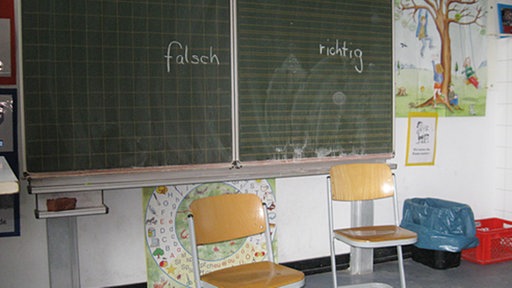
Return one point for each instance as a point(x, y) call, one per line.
point(363, 182)
point(231, 216)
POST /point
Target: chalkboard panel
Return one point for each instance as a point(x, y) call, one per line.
point(116, 84)
point(113, 84)
point(315, 78)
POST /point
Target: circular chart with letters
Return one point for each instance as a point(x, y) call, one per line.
point(169, 261)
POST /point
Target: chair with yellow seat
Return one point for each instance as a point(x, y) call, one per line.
point(226, 217)
point(366, 182)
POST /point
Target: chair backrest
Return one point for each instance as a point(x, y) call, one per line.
point(228, 216)
point(361, 181)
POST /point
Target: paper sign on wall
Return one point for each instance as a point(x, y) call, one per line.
point(421, 138)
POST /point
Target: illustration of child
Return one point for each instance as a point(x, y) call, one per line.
point(470, 73)
point(453, 97)
point(421, 31)
point(422, 132)
point(438, 80)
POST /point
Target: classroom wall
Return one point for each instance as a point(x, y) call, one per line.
point(112, 246)
point(472, 166)
point(503, 124)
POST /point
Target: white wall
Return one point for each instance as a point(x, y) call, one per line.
point(503, 145)
point(473, 165)
point(27, 253)
point(112, 246)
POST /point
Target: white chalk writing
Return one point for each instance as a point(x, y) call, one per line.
point(343, 51)
point(181, 55)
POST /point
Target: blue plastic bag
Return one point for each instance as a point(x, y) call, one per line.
point(441, 225)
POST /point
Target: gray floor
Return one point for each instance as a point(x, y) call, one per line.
point(466, 275)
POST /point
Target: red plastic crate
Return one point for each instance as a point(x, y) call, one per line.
point(495, 237)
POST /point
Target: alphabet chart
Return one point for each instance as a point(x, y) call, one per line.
point(168, 254)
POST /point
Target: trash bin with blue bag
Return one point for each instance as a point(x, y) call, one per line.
point(444, 229)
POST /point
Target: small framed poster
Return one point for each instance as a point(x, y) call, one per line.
point(9, 203)
point(505, 18)
point(7, 43)
point(421, 138)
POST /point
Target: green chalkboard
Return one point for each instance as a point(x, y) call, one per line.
point(315, 78)
point(115, 84)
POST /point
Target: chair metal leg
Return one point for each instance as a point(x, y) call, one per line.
point(333, 265)
point(331, 233)
point(401, 266)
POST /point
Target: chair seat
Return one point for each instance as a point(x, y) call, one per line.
point(376, 236)
point(252, 275)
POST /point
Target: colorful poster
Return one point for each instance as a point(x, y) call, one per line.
point(505, 18)
point(168, 256)
point(7, 43)
point(441, 57)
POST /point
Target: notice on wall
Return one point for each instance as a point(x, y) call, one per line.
point(5, 47)
point(7, 43)
point(7, 214)
point(168, 254)
point(421, 138)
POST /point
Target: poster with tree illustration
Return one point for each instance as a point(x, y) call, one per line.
point(441, 57)
point(168, 254)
